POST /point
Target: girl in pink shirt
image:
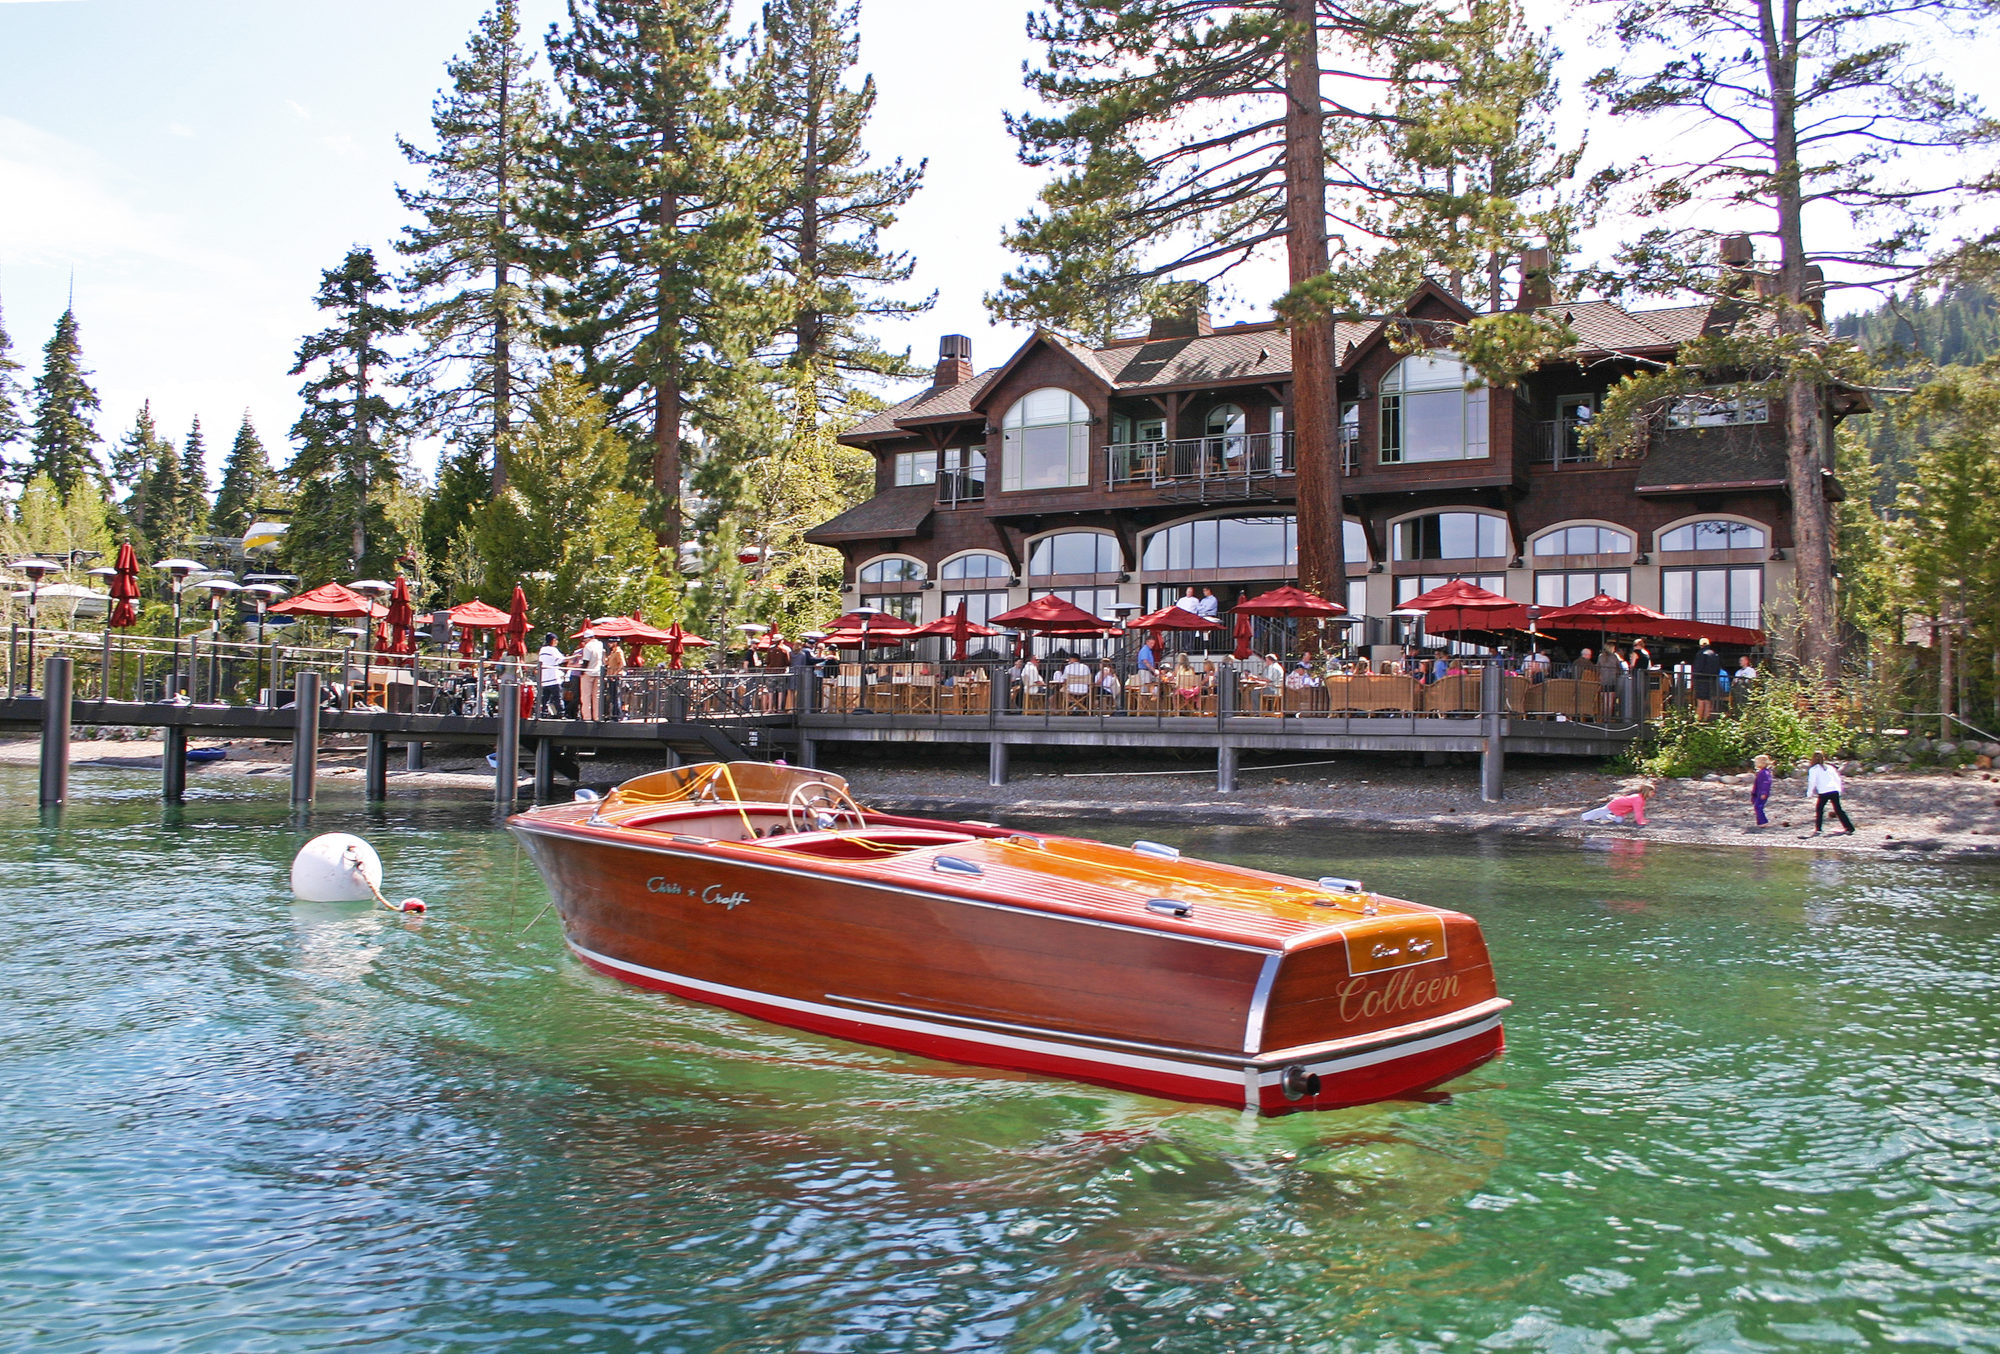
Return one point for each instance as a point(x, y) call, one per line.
point(1620, 806)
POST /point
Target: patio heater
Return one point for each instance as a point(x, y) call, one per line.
point(216, 586)
point(177, 571)
point(36, 570)
point(750, 631)
point(263, 594)
point(373, 589)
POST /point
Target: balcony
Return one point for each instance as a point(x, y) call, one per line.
point(1559, 442)
point(1204, 466)
point(956, 488)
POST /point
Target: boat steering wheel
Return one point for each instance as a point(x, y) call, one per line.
point(817, 806)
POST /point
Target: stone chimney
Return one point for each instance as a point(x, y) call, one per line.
point(1189, 321)
point(954, 365)
point(1737, 251)
point(1537, 290)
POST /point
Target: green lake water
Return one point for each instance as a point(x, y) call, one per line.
point(1751, 1101)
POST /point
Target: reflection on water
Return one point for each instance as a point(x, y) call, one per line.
point(1748, 1103)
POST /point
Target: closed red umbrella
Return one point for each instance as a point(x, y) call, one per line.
point(512, 638)
point(679, 641)
point(398, 636)
point(125, 588)
point(1243, 636)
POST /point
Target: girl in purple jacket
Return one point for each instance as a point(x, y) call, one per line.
point(1760, 792)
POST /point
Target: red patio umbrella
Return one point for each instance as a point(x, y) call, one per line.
point(1288, 601)
point(1459, 605)
point(330, 600)
point(1175, 617)
point(471, 616)
point(397, 637)
point(678, 641)
point(125, 588)
point(1607, 615)
point(1053, 616)
point(958, 627)
point(511, 639)
point(1243, 636)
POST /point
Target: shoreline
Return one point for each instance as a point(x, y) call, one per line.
point(1898, 811)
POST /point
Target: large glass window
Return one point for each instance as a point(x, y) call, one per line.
point(1567, 589)
point(1585, 540)
point(1714, 535)
point(904, 605)
point(1430, 414)
point(916, 467)
point(1720, 596)
point(981, 607)
point(1451, 535)
point(1045, 441)
point(983, 564)
point(1224, 543)
point(1097, 601)
point(1413, 585)
point(1074, 552)
point(892, 570)
point(1722, 408)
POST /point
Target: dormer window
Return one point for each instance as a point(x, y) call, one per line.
point(916, 467)
point(1045, 442)
point(1433, 409)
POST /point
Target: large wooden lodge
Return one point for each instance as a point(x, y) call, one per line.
point(1120, 476)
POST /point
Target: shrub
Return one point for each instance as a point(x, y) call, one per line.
point(1786, 719)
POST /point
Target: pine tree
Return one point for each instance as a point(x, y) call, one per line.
point(247, 483)
point(1192, 134)
point(345, 469)
point(651, 198)
point(1813, 109)
point(464, 488)
point(194, 504)
point(566, 527)
point(65, 441)
point(830, 205)
point(470, 256)
point(13, 427)
point(133, 461)
point(162, 498)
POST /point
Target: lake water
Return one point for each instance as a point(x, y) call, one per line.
point(1751, 1102)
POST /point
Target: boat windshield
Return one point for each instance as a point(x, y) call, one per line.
point(728, 782)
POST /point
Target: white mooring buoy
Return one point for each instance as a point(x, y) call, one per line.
point(338, 867)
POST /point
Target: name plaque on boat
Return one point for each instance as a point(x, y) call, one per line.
point(712, 894)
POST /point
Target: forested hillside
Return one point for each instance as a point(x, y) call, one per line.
point(1959, 327)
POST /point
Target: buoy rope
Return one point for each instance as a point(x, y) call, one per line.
point(353, 859)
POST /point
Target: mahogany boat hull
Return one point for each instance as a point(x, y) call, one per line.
point(977, 967)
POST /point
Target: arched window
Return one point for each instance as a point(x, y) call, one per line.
point(1584, 540)
point(1714, 534)
point(1433, 409)
point(1045, 441)
point(1451, 535)
point(1224, 543)
point(1074, 552)
point(980, 564)
point(892, 569)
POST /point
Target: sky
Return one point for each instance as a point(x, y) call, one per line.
point(190, 167)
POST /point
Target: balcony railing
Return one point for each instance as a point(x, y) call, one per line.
point(1234, 457)
point(1559, 442)
point(956, 486)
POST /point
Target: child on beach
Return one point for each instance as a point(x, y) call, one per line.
point(1823, 785)
point(1621, 807)
point(1760, 791)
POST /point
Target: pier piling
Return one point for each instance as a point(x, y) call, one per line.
point(413, 755)
point(305, 738)
point(996, 763)
point(57, 677)
point(173, 764)
point(376, 776)
point(1492, 759)
point(545, 770)
point(506, 775)
point(1225, 768)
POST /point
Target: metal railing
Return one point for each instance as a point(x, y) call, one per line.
point(202, 670)
point(1559, 442)
point(1234, 456)
point(957, 486)
point(1204, 688)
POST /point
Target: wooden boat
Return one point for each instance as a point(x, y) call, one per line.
point(769, 891)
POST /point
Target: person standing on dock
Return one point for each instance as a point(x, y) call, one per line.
point(589, 688)
point(550, 659)
point(614, 670)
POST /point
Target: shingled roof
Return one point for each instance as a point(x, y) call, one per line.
point(890, 515)
point(1706, 459)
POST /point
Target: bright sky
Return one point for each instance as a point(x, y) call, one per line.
point(195, 165)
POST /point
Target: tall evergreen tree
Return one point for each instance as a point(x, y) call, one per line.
point(829, 205)
point(134, 459)
point(345, 467)
point(194, 478)
point(162, 498)
point(470, 255)
point(651, 199)
point(1816, 110)
point(464, 487)
point(13, 427)
point(1192, 134)
point(65, 441)
point(247, 482)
